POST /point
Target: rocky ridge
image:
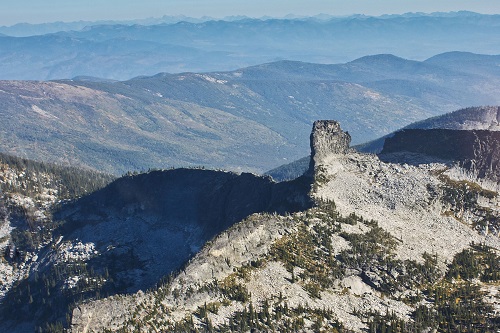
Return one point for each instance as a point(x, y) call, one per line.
point(128, 235)
point(305, 271)
point(164, 217)
point(477, 151)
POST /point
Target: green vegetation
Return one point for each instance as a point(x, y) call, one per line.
point(454, 307)
point(371, 253)
point(479, 262)
point(69, 182)
point(232, 289)
point(48, 298)
point(272, 315)
point(463, 195)
point(277, 316)
point(310, 250)
point(456, 303)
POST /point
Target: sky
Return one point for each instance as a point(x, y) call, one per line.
point(42, 11)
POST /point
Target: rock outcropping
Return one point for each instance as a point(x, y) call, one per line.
point(327, 138)
point(380, 233)
point(478, 150)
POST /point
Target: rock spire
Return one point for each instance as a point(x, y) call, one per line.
point(327, 138)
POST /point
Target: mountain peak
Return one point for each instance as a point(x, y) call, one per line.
point(333, 261)
point(380, 59)
point(473, 118)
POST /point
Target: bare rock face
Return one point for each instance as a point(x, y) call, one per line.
point(477, 150)
point(327, 138)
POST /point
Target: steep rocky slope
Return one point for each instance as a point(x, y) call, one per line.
point(132, 233)
point(162, 218)
point(28, 192)
point(387, 246)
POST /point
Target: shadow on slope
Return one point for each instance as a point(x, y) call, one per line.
point(137, 230)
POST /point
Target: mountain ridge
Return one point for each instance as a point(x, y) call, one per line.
point(151, 122)
point(354, 240)
point(471, 118)
point(216, 45)
point(241, 280)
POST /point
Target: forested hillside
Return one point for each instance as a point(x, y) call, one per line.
point(29, 192)
point(252, 119)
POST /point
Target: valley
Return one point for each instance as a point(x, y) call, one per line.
point(297, 174)
point(253, 119)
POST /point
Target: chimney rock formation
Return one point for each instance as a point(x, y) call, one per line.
point(327, 138)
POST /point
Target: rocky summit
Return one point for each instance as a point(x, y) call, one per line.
point(409, 247)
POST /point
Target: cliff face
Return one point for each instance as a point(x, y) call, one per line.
point(468, 119)
point(327, 138)
point(129, 235)
point(162, 218)
point(476, 150)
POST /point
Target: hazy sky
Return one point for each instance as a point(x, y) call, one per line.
point(38, 11)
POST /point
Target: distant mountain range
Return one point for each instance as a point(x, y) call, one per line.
point(31, 29)
point(177, 44)
point(253, 119)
